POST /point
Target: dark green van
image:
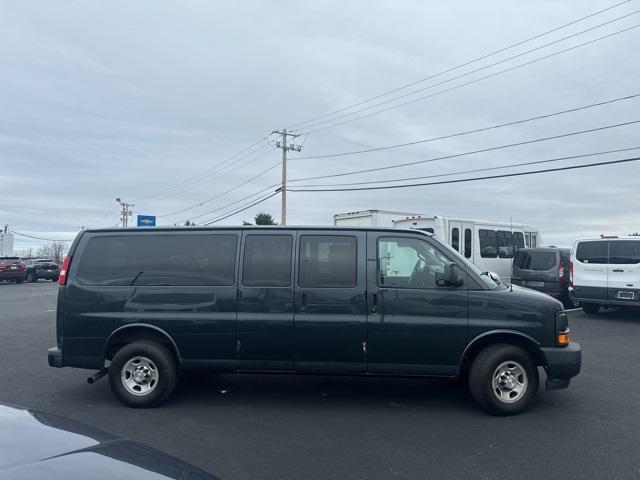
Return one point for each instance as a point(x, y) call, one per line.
point(145, 304)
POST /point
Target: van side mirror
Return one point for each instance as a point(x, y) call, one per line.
point(451, 277)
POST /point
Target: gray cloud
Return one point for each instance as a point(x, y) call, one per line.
point(100, 100)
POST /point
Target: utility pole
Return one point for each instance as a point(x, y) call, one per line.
point(126, 211)
point(285, 148)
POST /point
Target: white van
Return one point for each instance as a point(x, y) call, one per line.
point(605, 271)
point(489, 245)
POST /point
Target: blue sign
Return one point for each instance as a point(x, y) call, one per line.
point(146, 220)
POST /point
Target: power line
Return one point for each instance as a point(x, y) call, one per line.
point(40, 238)
point(462, 180)
point(461, 172)
point(448, 80)
point(235, 202)
point(199, 204)
point(483, 150)
point(242, 209)
point(185, 183)
point(467, 132)
point(455, 87)
point(475, 60)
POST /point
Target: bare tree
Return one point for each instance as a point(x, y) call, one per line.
point(53, 250)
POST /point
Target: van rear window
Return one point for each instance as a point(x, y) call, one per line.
point(624, 252)
point(537, 261)
point(150, 259)
point(592, 252)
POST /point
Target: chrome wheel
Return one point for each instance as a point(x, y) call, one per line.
point(139, 376)
point(509, 382)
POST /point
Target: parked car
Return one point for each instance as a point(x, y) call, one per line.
point(357, 301)
point(13, 269)
point(36, 445)
point(605, 272)
point(545, 269)
point(46, 269)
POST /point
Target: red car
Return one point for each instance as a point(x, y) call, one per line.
point(13, 269)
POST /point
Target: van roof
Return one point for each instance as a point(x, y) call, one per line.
point(608, 238)
point(257, 227)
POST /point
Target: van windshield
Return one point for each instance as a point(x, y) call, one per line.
point(471, 268)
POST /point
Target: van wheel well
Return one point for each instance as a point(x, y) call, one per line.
point(506, 338)
point(134, 334)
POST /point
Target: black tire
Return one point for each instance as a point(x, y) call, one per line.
point(19, 281)
point(167, 373)
point(590, 308)
point(567, 302)
point(31, 278)
point(54, 279)
point(481, 379)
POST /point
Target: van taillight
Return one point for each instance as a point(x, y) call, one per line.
point(571, 273)
point(561, 271)
point(64, 271)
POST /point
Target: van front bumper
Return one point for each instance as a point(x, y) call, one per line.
point(562, 364)
point(55, 357)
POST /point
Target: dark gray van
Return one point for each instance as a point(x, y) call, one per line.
point(545, 269)
point(145, 304)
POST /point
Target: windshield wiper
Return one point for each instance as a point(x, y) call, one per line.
point(135, 278)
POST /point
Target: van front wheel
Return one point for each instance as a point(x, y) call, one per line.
point(143, 374)
point(503, 379)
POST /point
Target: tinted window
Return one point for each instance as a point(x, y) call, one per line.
point(467, 243)
point(455, 239)
point(488, 243)
point(534, 240)
point(151, 259)
point(408, 263)
point(627, 252)
point(592, 252)
point(505, 244)
point(538, 261)
point(327, 261)
point(518, 240)
point(267, 261)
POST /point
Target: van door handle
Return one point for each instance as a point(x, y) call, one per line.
point(374, 303)
point(303, 302)
point(617, 270)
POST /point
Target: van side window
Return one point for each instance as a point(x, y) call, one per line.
point(467, 243)
point(518, 240)
point(408, 263)
point(592, 252)
point(455, 239)
point(152, 259)
point(505, 244)
point(624, 252)
point(488, 243)
point(534, 240)
point(327, 261)
point(267, 261)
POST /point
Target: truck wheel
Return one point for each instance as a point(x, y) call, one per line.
point(19, 281)
point(590, 308)
point(143, 374)
point(503, 379)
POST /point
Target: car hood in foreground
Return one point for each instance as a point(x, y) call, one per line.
point(39, 445)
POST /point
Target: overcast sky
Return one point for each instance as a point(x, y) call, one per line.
point(100, 100)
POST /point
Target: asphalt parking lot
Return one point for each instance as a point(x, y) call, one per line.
point(242, 427)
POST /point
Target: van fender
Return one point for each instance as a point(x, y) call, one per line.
point(529, 343)
point(141, 326)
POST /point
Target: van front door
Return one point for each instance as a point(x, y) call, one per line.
point(265, 301)
point(415, 325)
point(623, 278)
point(330, 309)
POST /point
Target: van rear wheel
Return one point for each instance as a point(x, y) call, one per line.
point(503, 379)
point(590, 308)
point(143, 374)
